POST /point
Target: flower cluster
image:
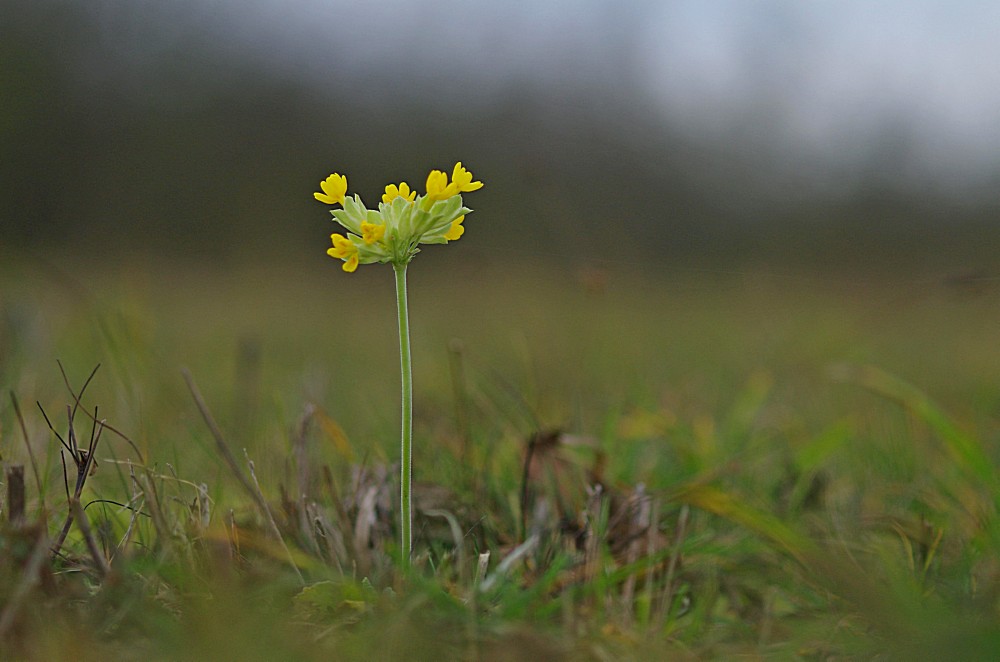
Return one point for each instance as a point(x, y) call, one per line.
point(403, 219)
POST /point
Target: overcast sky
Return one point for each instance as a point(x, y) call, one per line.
point(835, 81)
point(826, 75)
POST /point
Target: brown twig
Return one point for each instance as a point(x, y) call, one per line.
point(77, 398)
point(15, 494)
point(84, 461)
point(31, 453)
point(83, 524)
point(82, 388)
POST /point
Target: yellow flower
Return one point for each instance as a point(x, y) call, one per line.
point(461, 180)
point(393, 232)
point(403, 191)
point(343, 249)
point(334, 189)
point(438, 187)
point(456, 230)
point(372, 232)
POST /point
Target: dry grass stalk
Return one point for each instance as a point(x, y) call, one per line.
point(270, 519)
point(152, 501)
point(82, 459)
point(482, 565)
point(364, 526)
point(82, 523)
point(652, 547)
point(637, 524)
point(31, 453)
point(220, 443)
point(15, 494)
point(596, 504)
point(344, 533)
point(368, 504)
point(666, 603)
point(233, 532)
point(305, 508)
point(516, 555)
point(135, 503)
point(93, 418)
point(251, 488)
point(328, 538)
point(299, 449)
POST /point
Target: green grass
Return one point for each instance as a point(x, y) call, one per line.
point(723, 464)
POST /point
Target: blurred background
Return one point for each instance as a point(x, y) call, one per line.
point(843, 133)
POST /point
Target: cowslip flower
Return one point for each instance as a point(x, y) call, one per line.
point(403, 220)
point(344, 249)
point(438, 187)
point(402, 191)
point(392, 234)
point(456, 230)
point(334, 188)
point(461, 179)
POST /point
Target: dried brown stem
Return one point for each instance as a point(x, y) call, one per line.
point(220, 442)
point(270, 518)
point(31, 453)
point(15, 494)
point(82, 523)
point(84, 461)
point(78, 396)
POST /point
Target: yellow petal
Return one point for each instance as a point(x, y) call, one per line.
point(461, 179)
point(342, 246)
point(437, 183)
point(402, 191)
point(342, 249)
point(391, 193)
point(334, 189)
point(456, 230)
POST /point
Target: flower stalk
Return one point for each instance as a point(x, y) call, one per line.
point(406, 437)
point(392, 235)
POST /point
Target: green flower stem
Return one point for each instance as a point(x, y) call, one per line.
point(406, 443)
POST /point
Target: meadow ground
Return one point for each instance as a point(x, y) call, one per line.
point(611, 462)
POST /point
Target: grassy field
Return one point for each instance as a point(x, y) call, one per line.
point(611, 463)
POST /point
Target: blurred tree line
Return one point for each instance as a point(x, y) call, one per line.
point(114, 141)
